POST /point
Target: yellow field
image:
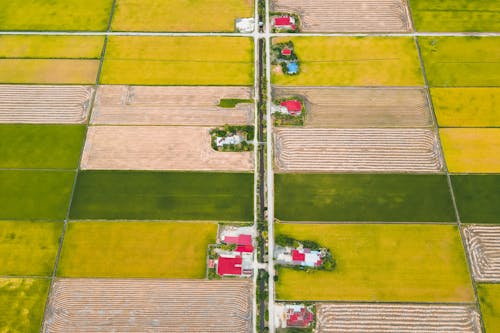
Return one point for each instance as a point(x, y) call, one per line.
point(474, 150)
point(467, 107)
point(180, 15)
point(489, 298)
point(179, 61)
point(353, 61)
point(48, 71)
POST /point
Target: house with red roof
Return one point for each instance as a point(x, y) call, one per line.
point(293, 107)
point(285, 22)
point(293, 315)
point(239, 261)
point(298, 256)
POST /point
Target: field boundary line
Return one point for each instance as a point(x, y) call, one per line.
point(364, 222)
point(377, 302)
point(450, 188)
point(25, 277)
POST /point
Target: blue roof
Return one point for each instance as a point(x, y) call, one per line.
point(293, 67)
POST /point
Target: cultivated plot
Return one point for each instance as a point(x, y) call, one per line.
point(41, 146)
point(472, 150)
point(179, 61)
point(456, 15)
point(467, 107)
point(461, 61)
point(356, 150)
point(180, 15)
point(158, 148)
point(489, 299)
point(63, 15)
point(352, 317)
point(361, 107)
point(144, 105)
point(377, 262)
point(93, 305)
point(35, 195)
point(347, 16)
point(136, 249)
point(483, 243)
point(477, 197)
point(353, 61)
point(28, 248)
point(145, 195)
point(363, 197)
point(44, 104)
point(22, 303)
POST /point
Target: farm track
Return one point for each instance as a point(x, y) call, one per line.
point(362, 107)
point(40, 104)
point(348, 16)
point(358, 150)
point(158, 148)
point(135, 305)
point(396, 318)
point(483, 243)
point(145, 105)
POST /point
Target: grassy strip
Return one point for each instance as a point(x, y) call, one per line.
point(232, 102)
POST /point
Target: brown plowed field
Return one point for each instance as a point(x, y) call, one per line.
point(134, 305)
point(362, 107)
point(158, 148)
point(397, 318)
point(483, 243)
point(143, 105)
point(348, 16)
point(44, 104)
point(357, 150)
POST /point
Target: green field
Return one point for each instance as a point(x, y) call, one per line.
point(353, 61)
point(467, 107)
point(145, 195)
point(179, 61)
point(136, 249)
point(64, 15)
point(477, 197)
point(33, 46)
point(35, 195)
point(456, 15)
point(363, 197)
point(28, 248)
point(41, 146)
point(22, 302)
point(180, 15)
point(461, 61)
point(489, 299)
point(377, 262)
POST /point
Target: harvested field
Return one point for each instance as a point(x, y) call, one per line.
point(348, 16)
point(328, 150)
point(362, 107)
point(349, 317)
point(143, 105)
point(44, 104)
point(158, 148)
point(483, 243)
point(111, 305)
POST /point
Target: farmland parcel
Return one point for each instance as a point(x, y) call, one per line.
point(489, 299)
point(178, 61)
point(423, 263)
point(163, 196)
point(363, 197)
point(136, 249)
point(353, 61)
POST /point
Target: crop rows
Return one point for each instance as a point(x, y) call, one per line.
point(483, 243)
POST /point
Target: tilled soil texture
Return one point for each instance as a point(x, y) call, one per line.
point(351, 317)
point(145, 105)
point(158, 148)
point(135, 305)
point(362, 107)
point(38, 104)
point(348, 16)
point(357, 150)
point(483, 243)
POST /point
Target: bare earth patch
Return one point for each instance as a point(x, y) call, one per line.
point(158, 148)
point(145, 105)
point(362, 107)
point(348, 16)
point(39, 104)
point(357, 150)
point(351, 317)
point(483, 243)
point(135, 305)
